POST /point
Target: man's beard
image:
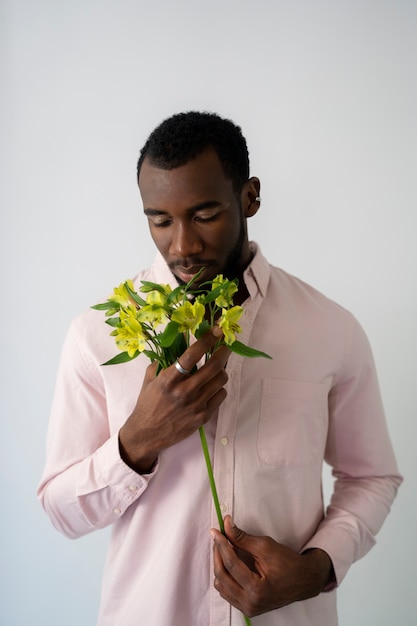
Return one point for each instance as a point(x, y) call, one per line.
point(232, 266)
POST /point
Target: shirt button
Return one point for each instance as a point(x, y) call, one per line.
point(224, 441)
point(133, 488)
point(223, 508)
point(117, 511)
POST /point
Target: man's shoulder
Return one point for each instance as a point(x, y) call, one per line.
point(284, 286)
point(299, 292)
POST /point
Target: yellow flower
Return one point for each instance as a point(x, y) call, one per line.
point(129, 334)
point(229, 288)
point(188, 316)
point(229, 323)
point(121, 295)
point(155, 311)
point(152, 314)
point(156, 297)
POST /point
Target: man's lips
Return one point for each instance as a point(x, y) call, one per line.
point(186, 272)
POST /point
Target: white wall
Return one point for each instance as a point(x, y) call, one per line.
point(326, 94)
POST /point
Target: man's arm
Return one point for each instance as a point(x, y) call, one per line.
point(360, 453)
point(91, 478)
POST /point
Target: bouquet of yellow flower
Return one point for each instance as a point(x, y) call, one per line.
point(185, 311)
point(161, 323)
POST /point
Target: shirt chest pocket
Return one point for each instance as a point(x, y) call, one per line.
point(292, 426)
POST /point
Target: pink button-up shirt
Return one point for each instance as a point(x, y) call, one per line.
point(318, 399)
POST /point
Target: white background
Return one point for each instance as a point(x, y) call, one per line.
point(325, 92)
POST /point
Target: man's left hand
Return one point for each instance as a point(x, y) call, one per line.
point(257, 574)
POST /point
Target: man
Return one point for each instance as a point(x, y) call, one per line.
point(123, 447)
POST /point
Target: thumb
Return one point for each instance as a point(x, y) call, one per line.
point(248, 547)
point(237, 537)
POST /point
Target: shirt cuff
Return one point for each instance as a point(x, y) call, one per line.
point(339, 546)
point(115, 484)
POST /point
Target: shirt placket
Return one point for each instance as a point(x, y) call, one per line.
point(224, 456)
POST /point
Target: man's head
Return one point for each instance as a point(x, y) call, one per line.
point(197, 197)
point(182, 137)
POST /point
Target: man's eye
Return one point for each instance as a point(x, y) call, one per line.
point(206, 218)
point(161, 223)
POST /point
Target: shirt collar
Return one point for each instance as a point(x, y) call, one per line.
point(256, 275)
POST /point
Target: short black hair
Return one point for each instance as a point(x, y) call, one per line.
point(184, 136)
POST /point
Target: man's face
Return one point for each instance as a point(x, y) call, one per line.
point(195, 218)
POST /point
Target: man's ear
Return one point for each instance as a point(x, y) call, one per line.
point(251, 199)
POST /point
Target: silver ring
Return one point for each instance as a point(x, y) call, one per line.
point(258, 199)
point(181, 369)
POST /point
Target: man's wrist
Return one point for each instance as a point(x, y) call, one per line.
point(320, 568)
point(141, 464)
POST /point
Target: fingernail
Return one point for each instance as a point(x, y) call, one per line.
point(217, 331)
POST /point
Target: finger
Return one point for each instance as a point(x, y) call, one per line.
point(197, 350)
point(206, 390)
point(218, 360)
point(228, 566)
point(224, 582)
point(215, 401)
point(209, 381)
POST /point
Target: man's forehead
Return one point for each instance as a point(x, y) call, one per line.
point(202, 172)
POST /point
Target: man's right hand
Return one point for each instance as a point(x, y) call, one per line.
point(171, 406)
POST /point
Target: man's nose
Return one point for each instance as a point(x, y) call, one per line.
point(185, 241)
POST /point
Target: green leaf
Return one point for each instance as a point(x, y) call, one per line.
point(148, 286)
point(151, 355)
point(202, 329)
point(172, 352)
point(240, 348)
point(140, 301)
point(123, 357)
point(179, 346)
point(194, 278)
point(104, 306)
point(212, 295)
point(113, 321)
point(167, 338)
point(175, 293)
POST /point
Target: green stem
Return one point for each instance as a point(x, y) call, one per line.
point(214, 490)
point(211, 477)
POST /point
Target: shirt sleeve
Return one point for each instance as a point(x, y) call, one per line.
point(85, 485)
point(363, 464)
